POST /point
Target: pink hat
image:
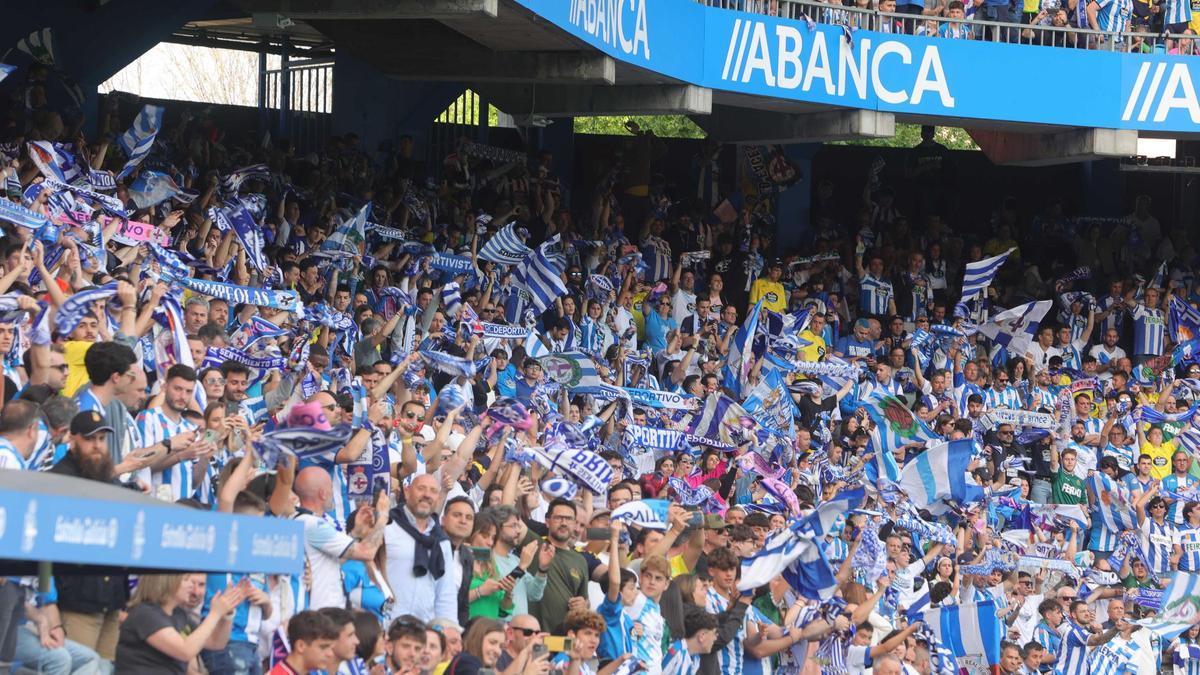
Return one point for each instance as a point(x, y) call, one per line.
point(308, 415)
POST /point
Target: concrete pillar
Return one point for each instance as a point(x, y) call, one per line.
point(559, 139)
point(792, 226)
point(379, 108)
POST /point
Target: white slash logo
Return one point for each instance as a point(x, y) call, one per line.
point(1174, 91)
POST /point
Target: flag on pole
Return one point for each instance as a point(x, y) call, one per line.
point(1183, 320)
point(1180, 608)
point(1014, 329)
point(351, 234)
point(941, 473)
point(1112, 503)
point(505, 247)
point(978, 275)
point(541, 277)
point(740, 359)
point(968, 630)
point(139, 139)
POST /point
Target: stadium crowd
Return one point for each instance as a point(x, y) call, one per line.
point(1139, 26)
point(615, 433)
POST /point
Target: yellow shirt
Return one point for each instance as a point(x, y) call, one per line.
point(1160, 458)
point(814, 351)
point(73, 353)
point(772, 294)
point(678, 566)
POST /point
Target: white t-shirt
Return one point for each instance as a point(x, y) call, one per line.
point(904, 581)
point(324, 547)
point(1041, 357)
point(683, 305)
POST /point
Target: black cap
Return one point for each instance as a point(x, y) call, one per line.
point(88, 423)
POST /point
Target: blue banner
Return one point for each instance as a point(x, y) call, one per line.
point(787, 59)
point(66, 529)
point(454, 264)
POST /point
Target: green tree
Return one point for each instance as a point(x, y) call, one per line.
point(665, 126)
point(908, 135)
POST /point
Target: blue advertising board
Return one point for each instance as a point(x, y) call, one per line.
point(141, 533)
point(767, 56)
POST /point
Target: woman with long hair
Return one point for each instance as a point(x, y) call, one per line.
point(490, 594)
point(156, 636)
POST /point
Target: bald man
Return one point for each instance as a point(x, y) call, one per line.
point(419, 558)
point(325, 545)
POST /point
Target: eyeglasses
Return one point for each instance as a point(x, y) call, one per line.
point(410, 415)
point(62, 367)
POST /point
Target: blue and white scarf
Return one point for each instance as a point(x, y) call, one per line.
point(451, 365)
point(78, 306)
point(242, 295)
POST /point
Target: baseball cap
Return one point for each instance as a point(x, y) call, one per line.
point(714, 522)
point(89, 423)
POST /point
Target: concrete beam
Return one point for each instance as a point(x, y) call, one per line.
point(577, 101)
point(743, 125)
point(549, 67)
point(373, 9)
point(1064, 147)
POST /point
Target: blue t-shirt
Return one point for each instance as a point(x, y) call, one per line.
point(850, 347)
point(656, 331)
point(615, 641)
point(506, 382)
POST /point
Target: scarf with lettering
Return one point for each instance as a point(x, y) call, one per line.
point(79, 305)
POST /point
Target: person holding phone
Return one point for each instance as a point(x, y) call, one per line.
point(490, 594)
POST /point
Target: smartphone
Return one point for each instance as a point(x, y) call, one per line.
point(481, 554)
point(210, 436)
point(516, 573)
point(598, 534)
point(558, 643)
point(696, 519)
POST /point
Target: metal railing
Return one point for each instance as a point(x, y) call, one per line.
point(1048, 29)
point(305, 100)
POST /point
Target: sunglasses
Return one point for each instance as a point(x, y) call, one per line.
point(527, 632)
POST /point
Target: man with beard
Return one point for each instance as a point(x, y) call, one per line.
point(567, 577)
point(534, 558)
point(165, 425)
point(419, 555)
point(91, 604)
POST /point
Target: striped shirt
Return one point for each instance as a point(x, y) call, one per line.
point(1157, 541)
point(1073, 658)
point(1149, 325)
point(1114, 15)
point(247, 618)
point(1049, 639)
point(1189, 541)
point(1177, 483)
point(1116, 317)
point(1114, 658)
point(678, 661)
point(156, 427)
point(731, 657)
point(874, 295)
point(1178, 11)
point(1005, 398)
point(10, 458)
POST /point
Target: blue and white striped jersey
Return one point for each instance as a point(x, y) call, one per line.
point(247, 618)
point(731, 657)
point(156, 427)
point(1189, 541)
point(1072, 660)
point(678, 661)
point(1156, 543)
point(1005, 398)
point(1149, 325)
point(874, 295)
point(1114, 15)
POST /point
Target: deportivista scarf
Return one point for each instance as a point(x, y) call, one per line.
point(427, 550)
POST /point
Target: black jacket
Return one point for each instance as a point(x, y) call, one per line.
point(88, 593)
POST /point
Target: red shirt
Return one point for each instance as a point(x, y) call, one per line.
point(282, 668)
